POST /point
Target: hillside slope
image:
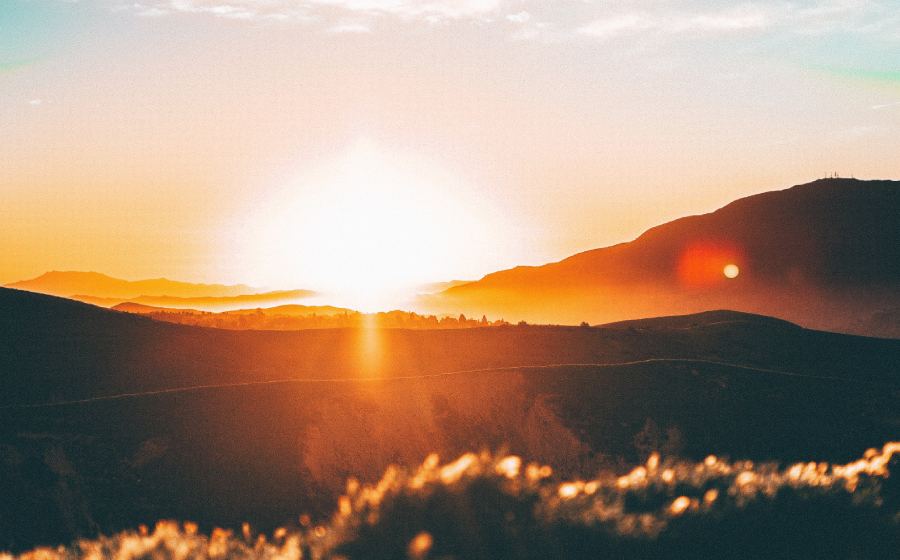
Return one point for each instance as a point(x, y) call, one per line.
point(824, 254)
point(54, 349)
point(110, 419)
point(106, 291)
point(68, 283)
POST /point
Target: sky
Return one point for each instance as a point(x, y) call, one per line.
point(328, 143)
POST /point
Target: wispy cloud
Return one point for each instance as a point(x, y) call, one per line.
point(885, 105)
point(350, 28)
point(430, 10)
point(805, 18)
point(736, 19)
point(149, 11)
point(564, 20)
point(248, 10)
point(305, 10)
point(520, 17)
point(617, 25)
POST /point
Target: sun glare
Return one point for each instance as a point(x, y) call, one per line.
point(368, 229)
point(703, 264)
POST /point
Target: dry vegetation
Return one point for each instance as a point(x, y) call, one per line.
point(264, 319)
point(495, 506)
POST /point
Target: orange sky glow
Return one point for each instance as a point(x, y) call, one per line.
point(363, 149)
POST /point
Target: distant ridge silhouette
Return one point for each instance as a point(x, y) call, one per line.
point(69, 283)
point(289, 310)
point(106, 291)
point(824, 254)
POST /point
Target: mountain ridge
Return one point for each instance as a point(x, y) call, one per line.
point(653, 232)
point(97, 284)
point(103, 290)
point(824, 254)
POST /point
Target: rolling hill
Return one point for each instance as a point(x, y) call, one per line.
point(68, 283)
point(110, 419)
point(287, 310)
point(55, 349)
point(210, 303)
point(825, 255)
point(105, 291)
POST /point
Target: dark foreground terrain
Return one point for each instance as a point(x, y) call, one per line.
point(111, 420)
point(489, 507)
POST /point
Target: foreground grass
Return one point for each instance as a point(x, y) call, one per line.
point(486, 506)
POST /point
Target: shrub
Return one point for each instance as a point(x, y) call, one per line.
point(486, 506)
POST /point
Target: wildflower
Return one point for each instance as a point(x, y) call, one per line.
point(344, 508)
point(420, 545)
point(680, 505)
point(745, 478)
point(454, 471)
point(509, 466)
point(568, 490)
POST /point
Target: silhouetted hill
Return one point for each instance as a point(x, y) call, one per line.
point(225, 303)
point(696, 320)
point(141, 309)
point(824, 254)
point(58, 349)
point(435, 287)
point(295, 310)
point(68, 283)
point(203, 304)
point(106, 291)
point(110, 419)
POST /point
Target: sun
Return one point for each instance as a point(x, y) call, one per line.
point(731, 271)
point(369, 228)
